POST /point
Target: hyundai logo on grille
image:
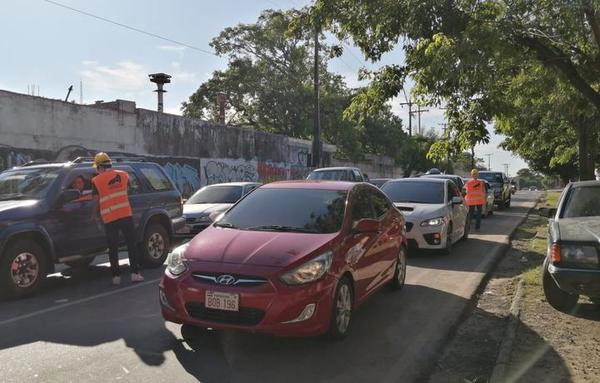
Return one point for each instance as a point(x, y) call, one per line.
point(225, 280)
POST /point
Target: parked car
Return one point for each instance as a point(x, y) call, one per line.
point(488, 208)
point(291, 258)
point(436, 216)
point(45, 221)
point(533, 188)
point(338, 174)
point(501, 186)
point(571, 267)
point(513, 187)
point(207, 203)
point(379, 182)
point(458, 181)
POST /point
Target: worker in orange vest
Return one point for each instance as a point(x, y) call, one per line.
point(475, 197)
point(110, 197)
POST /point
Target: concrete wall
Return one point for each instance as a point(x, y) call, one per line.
point(193, 152)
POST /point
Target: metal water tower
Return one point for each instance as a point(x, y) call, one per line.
point(160, 79)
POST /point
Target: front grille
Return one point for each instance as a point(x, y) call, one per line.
point(245, 317)
point(409, 226)
point(190, 220)
point(239, 280)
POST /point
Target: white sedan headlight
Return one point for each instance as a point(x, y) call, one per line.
point(433, 222)
point(309, 271)
point(176, 261)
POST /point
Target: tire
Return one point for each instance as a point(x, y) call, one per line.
point(155, 246)
point(23, 268)
point(81, 263)
point(448, 249)
point(397, 283)
point(557, 298)
point(467, 229)
point(341, 310)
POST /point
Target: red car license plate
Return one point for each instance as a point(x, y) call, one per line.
point(222, 301)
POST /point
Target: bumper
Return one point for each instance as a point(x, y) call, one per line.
point(177, 223)
point(576, 281)
point(267, 306)
point(425, 237)
point(190, 230)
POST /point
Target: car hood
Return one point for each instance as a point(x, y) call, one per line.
point(201, 209)
point(7, 207)
point(584, 229)
point(420, 211)
point(264, 248)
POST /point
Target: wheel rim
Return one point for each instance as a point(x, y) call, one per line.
point(401, 266)
point(24, 270)
point(343, 308)
point(156, 245)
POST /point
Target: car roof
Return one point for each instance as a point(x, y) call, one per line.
point(490, 172)
point(381, 179)
point(312, 184)
point(235, 184)
point(421, 179)
point(336, 168)
point(585, 183)
point(447, 176)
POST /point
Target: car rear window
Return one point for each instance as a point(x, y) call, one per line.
point(330, 175)
point(216, 194)
point(294, 210)
point(492, 177)
point(157, 179)
point(582, 202)
point(415, 192)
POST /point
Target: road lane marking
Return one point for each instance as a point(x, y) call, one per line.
point(78, 301)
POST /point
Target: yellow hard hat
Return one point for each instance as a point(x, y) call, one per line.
point(102, 159)
point(474, 172)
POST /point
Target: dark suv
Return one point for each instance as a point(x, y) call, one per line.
point(501, 186)
point(45, 219)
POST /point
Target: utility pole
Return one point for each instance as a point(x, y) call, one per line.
point(489, 156)
point(410, 114)
point(506, 169)
point(316, 149)
point(418, 112)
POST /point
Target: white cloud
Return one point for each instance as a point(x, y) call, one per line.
point(174, 110)
point(124, 77)
point(180, 50)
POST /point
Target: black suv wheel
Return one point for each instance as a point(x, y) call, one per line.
point(155, 246)
point(23, 268)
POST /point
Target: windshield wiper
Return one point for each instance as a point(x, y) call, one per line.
point(281, 228)
point(225, 224)
point(7, 197)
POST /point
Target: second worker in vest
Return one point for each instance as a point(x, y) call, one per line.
point(110, 197)
point(475, 197)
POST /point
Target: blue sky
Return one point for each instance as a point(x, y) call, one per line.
point(53, 47)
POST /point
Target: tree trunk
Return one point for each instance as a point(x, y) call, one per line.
point(472, 156)
point(586, 148)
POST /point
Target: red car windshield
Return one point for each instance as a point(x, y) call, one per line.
point(294, 210)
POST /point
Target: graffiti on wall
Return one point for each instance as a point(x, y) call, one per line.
point(298, 162)
point(220, 170)
point(272, 171)
point(185, 177)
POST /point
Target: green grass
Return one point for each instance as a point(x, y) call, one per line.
point(552, 199)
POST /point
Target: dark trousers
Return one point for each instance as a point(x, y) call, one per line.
point(125, 226)
point(477, 210)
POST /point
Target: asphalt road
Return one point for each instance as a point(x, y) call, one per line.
point(81, 329)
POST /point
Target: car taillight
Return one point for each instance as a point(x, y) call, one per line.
point(555, 253)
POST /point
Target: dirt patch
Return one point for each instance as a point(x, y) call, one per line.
point(549, 346)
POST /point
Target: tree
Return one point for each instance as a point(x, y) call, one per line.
point(467, 51)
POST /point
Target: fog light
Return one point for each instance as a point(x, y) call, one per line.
point(306, 314)
point(163, 299)
point(437, 238)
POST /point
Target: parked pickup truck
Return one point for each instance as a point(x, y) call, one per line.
point(46, 218)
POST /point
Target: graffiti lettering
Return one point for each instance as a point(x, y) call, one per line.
point(186, 177)
point(228, 170)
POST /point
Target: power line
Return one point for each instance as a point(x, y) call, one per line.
point(130, 27)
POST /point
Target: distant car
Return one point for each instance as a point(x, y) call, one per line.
point(45, 219)
point(488, 208)
point(458, 181)
point(204, 205)
point(436, 216)
point(338, 174)
point(572, 264)
point(379, 182)
point(433, 171)
point(501, 185)
point(292, 258)
point(533, 188)
point(513, 187)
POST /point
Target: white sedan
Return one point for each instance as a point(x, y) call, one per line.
point(436, 216)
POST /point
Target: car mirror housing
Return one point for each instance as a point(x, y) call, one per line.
point(547, 212)
point(457, 200)
point(365, 225)
point(70, 195)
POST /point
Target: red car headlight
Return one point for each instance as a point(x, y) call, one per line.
point(310, 271)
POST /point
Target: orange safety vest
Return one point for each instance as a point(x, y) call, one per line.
point(112, 192)
point(475, 193)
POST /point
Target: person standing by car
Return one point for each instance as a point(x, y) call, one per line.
point(110, 197)
point(475, 197)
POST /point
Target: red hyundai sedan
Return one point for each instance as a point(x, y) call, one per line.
point(290, 259)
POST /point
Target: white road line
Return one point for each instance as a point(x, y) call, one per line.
point(78, 301)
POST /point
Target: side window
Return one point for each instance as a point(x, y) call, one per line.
point(249, 188)
point(449, 192)
point(453, 190)
point(361, 204)
point(134, 186)
point(348, 176)
point(380, 203)
point(81, 181)
point(357, 176)
point(156, 178)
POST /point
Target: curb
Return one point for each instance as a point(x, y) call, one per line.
point(499, 371)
